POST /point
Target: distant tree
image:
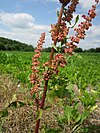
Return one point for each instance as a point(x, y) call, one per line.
point(47, 49)
point(78, 50)
point(97, 49)
point(12, 45)
point(2, 47)
point(85, 51)
point(29, 48)
point(92, 50)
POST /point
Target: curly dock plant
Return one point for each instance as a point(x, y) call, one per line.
point(41, 74)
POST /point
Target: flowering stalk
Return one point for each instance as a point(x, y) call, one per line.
point(71, 9)
point(56, 34)
point(59, 33)
point(60, 30)
point(50, 62)
point(81, 30)
point(34, 77)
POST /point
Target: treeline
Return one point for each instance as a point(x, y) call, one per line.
point(93, 50)
point(12, 45)
point(76, 50)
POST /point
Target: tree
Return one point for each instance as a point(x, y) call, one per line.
point(78, 50)
point(12, 45)
point(97, 49)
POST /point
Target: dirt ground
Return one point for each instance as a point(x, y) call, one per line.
point(21, 113)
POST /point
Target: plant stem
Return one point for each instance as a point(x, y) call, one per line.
point(42, 105)
point(37, 126)
point(44, 94)
point(57, 32)
point(50, 62)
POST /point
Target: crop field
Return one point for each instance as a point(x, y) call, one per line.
point(82, 70)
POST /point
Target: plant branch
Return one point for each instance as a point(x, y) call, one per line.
point(42, 105)
point(57, 32)
point(50, 62)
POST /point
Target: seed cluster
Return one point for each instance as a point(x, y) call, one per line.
point(34, 77)
point(63, 31)
point(68, 13)
point(81, 30)
point(64, 2)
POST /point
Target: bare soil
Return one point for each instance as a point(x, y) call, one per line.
point(21, 112)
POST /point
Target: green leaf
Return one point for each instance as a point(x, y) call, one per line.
point(78, 119)
point(53, 130)
point(68, 113)
point(93, 108)
point(77, 55)
point(77, 18)
point(47, 107)
point(65, 40)
point(85, 115)
point(57, 13)
point(6, 105)
point(43, 130)
point(4, 113)
point(39, 114)
point(33, 96)
point(54, 47)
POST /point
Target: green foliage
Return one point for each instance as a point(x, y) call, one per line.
point(77, 102)
point(93, 50)
point(53, 131)
point(17, 64)
point(39, 114)
point(12, 45)
point(76, 105)
point(76, 20)
point(82, 70)
point(78, 50)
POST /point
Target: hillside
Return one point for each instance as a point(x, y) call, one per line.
point(13, 45)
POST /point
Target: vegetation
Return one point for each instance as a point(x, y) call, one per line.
point(17, 65)
point(12, 45)
point(76, 103)
point(60, 81)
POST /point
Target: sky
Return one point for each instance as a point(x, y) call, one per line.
point(25, 20)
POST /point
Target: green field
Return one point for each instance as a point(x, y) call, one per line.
point(82, 69)
point(17, 106)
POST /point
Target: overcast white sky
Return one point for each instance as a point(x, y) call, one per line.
point(25, 20)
